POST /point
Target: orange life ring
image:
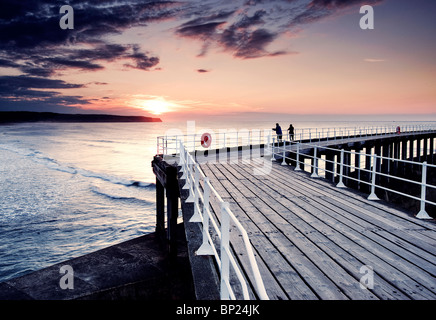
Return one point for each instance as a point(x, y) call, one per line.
point(206, 140)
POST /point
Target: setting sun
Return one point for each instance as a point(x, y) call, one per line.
point(155, 106)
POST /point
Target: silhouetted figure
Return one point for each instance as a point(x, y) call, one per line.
point(279, 132)
point(291, 132)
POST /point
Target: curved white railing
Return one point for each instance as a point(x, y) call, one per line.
point(200, 193)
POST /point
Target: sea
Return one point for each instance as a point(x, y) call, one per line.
point(68, 189)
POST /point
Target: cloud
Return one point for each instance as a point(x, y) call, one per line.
point(247, 28)
point(331, 4)
point(202, 70)
point(25, 91)
point(30, 34)
point(32, 43)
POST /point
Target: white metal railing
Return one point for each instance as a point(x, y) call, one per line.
point(201, 193)
point(281, 152)
point(216, 223)
point(168, 145)
point(327, 134)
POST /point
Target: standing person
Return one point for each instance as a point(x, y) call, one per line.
point(278, 131)
point(291, 132)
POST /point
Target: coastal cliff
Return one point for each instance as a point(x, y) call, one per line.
point(24, 116)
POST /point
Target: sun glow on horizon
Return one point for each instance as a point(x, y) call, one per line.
point(155, 106)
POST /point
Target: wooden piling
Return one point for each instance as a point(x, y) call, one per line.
point(166, 183)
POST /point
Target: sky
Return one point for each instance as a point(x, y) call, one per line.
point(202, 58)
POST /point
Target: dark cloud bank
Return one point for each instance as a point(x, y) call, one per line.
point(32, 42)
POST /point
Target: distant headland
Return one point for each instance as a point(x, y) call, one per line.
point(26, 116)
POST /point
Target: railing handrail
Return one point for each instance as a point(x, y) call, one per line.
point(280, 151)
point(231, 136)
point(192, 173)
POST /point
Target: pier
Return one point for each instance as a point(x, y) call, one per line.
point(336, 214)
point(258, 226)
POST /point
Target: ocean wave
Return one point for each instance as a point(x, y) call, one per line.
point(119, 195)
point(51, 163)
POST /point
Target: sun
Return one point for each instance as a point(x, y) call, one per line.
point(155, 106)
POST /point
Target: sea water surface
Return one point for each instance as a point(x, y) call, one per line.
point(68, 189)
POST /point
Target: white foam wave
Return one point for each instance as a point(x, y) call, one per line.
point(51, 163)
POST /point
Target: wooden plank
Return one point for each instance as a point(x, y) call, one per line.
point(409, 288)
point(266, 250)
point(383, 289)
point(329, 268)
point(356, 197)
point(371, 212)
point(293, 284)
point(356, 221)
point(328, 200)
point(257, 202)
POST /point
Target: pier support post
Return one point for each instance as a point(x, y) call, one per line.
point(425, 149)
point(396, 156)
point(357, 166)
point(160, 209)
point(385, 161)
point(172, 192)
point(329, 166)
point(418, 150)
point(368, 152)
point(411, 150)
point(402, 165)
point(166, 182)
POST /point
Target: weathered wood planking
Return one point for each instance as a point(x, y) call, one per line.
point(430, 280)
point(311, 239)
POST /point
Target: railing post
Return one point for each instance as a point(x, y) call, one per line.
point(284, 155)
point(341, 171)
point(189, 183)
point(372, 195)
point(267, 148)
point(273, 149)
point(422, 213)
point(225, 263)
point(158, 145)
point(166, 145)
point(315, 164)
point(205, 248)
point(196, 217)
point(297, 164)
point(187, 171)
point(182, 160)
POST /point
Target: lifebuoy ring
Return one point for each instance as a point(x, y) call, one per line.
point(206, 140)
point(398, 130)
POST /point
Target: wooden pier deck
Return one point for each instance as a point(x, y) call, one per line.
point(312, 239)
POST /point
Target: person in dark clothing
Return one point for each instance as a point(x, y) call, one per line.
point(279, 132)
point(291, 132)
